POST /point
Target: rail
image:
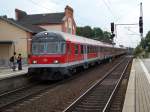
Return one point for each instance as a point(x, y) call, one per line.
point(78, 100)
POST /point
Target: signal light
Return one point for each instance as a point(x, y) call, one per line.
point(112, 35)
point(140, 24)
point(112, 27)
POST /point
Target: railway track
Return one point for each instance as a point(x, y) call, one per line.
point(117, 103)
point(98, 98)
point(12, 97)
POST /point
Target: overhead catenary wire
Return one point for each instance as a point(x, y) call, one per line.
point(39, 5)
point(108, 4)
point(109, 9)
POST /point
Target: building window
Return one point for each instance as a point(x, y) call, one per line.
point(69, 25)
point(69, 30)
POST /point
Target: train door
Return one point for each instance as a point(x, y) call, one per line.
point(99, 52)
point(76, 51)
point(85, 52)
point(69, 52)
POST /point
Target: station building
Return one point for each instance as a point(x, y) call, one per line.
point(16, 34)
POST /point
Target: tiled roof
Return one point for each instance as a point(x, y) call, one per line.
point(26, 27)
point(33, 28)
point(49, 18)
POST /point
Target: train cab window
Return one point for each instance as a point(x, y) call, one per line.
point(76, 49)
point(48, 47)
point(38, 48)
point(56, 47)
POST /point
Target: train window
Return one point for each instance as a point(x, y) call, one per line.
point(94, 49)
point(52, 47)
point(38, 47)
point(63, 47)
point(91, 49)
point(82, 49)
point(48, 47)
point(55, 47)
point(99, 49)
point(87, 49)
point(102, 49)
point(76, 49)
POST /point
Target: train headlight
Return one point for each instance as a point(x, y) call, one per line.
point(55, 61)
point(34, 62)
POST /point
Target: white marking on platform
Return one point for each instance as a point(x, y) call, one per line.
point(145, 70)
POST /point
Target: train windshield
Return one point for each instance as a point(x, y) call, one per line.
point(48, 48)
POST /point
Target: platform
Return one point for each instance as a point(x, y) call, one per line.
point(8, 72)
point(137, 97)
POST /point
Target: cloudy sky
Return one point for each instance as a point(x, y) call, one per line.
point(96, 13)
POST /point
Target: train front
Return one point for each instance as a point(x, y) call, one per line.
point(47, 56)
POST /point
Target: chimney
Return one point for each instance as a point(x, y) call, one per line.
point(68, 11)
point(19, 14)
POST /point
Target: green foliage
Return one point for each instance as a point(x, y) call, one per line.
point(85, 31)
point(138, 51)
point(143, 48)
point(145, 42)
point(107, 37)
point(98, 33)
point(95, 33)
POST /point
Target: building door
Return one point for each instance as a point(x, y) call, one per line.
point(5, 54)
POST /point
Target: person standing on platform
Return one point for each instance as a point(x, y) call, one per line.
point(19, 61)
point(13, 61)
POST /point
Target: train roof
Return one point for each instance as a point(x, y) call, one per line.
point(75, 38)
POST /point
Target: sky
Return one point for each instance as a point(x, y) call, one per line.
point(95, 13)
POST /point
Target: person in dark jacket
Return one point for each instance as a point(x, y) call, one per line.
point(19, 61)
point(13, 61)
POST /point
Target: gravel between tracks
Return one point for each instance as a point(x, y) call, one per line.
point(57, 99)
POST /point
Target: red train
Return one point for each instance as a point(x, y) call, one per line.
point(55, 55)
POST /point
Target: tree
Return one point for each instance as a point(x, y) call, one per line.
point(144, 47)
point(79, 31)
point(98, 33)
point(95, 33)
point(138, 50)
point(145, 42)
point(107, 37)
point(85, 31)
